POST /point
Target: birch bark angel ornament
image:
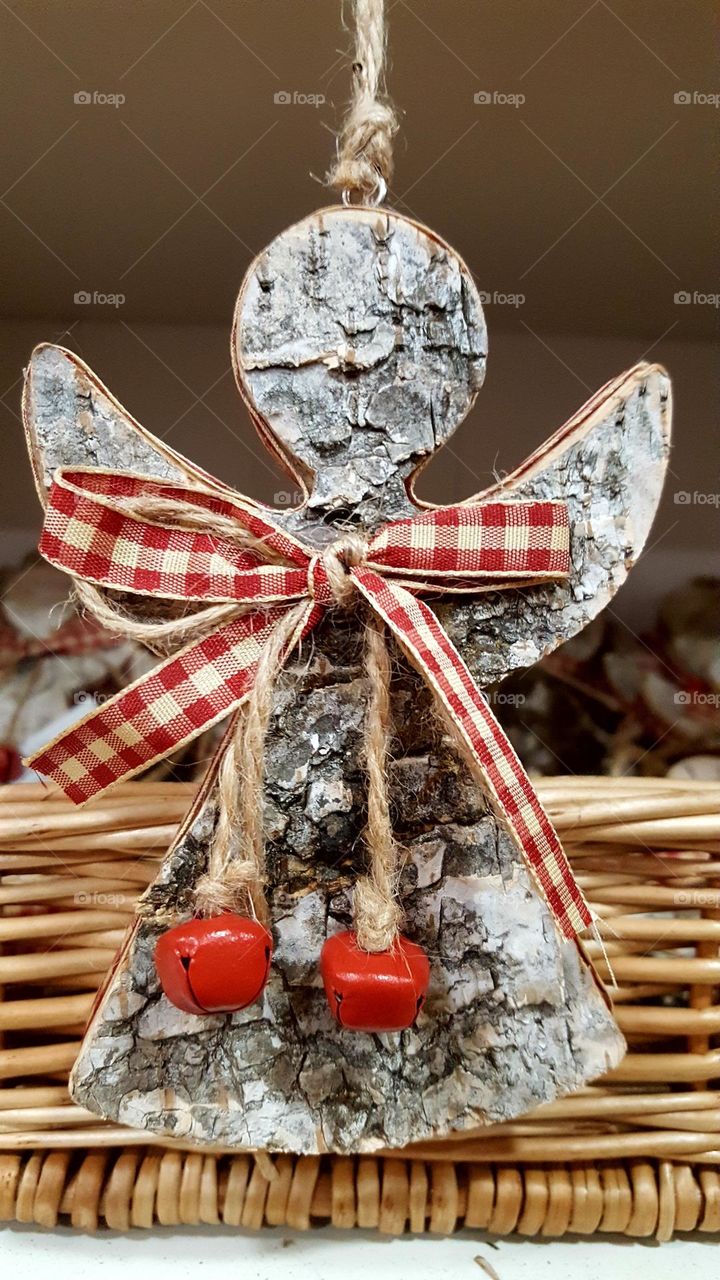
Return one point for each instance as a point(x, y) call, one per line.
point(366, 932)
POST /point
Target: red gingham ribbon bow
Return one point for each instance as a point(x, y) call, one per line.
point(471, 548)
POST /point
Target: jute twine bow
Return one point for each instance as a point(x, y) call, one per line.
point(231, 595)
point(364, 164)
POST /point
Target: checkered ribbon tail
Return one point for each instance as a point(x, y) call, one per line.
point(93, 531)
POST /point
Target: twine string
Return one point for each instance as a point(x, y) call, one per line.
point(364, 164)
point(377, 911)
point(235, 877)
point(160, 637)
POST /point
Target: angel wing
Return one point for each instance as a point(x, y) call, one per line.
point(608, 463)
point(71, 419)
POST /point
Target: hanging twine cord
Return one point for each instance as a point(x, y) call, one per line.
point(231, 876)
point(364, 164)
point(235, 877)
point(377, 911)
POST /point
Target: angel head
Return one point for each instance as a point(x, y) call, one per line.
point(359, 345)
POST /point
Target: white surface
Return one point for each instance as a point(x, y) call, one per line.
point(324, 1254)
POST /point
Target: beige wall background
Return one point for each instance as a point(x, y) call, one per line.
point(582, 188)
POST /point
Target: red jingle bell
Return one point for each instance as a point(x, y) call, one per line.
point(10, 764)
point(218, 965)
point(374, 991)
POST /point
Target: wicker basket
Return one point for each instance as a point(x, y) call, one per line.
point(638, 1153)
